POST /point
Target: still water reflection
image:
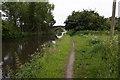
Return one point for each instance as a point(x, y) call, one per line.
point(24, 48)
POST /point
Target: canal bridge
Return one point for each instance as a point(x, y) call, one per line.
point(54, 28)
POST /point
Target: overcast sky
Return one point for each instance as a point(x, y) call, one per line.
point(63, 8)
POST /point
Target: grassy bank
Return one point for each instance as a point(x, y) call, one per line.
point(72, 32)
point(51, 65)
point(94, 57)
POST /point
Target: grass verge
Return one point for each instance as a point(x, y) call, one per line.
point(94, 57)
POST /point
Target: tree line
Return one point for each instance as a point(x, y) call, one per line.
point(89, 20)
point(27, 17)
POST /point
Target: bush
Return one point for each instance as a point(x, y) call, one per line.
point(9, 30)
point(71, 32)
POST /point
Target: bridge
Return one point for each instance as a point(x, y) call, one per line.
point(54, 28)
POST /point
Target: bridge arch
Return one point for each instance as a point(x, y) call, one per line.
point(59, 28)
point(54, 28)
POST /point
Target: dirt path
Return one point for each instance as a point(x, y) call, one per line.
point(69, 68)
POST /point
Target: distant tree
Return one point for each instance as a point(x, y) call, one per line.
point(86, 20)
point(43, 15)
point(119, 20)
point(117, 23)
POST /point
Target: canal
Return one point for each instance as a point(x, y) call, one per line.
point(25, 48)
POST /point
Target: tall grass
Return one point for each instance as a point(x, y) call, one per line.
point(119, 53)
point(94, 56)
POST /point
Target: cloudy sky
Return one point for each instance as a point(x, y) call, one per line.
point(63, 8)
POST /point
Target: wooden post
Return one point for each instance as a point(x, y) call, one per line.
point(113, 20)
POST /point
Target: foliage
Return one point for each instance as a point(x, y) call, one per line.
point(94, 57)
point(59, 32)
point(117, 23)
point(71, 32)
point(95, 32)
point(8, 30)
point(86, 20)
point(51, 65)
point(106, 32)
point(27, 17)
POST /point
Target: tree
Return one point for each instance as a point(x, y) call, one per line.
point(86, 20)
point(31, 12)
point(15, 11)
point(44, 15)
point(32, 16)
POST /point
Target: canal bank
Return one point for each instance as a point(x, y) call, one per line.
point(25, 49)
point(52, 64)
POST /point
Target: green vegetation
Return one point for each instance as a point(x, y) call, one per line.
point(27, 17)
point(51, 65)
point(88, 20)
point(11, 32)
point(94, 57)
point(72, 32)
point(59, 32)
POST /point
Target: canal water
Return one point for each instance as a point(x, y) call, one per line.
point(24, 48)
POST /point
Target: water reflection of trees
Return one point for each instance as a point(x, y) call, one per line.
point(23, 49)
